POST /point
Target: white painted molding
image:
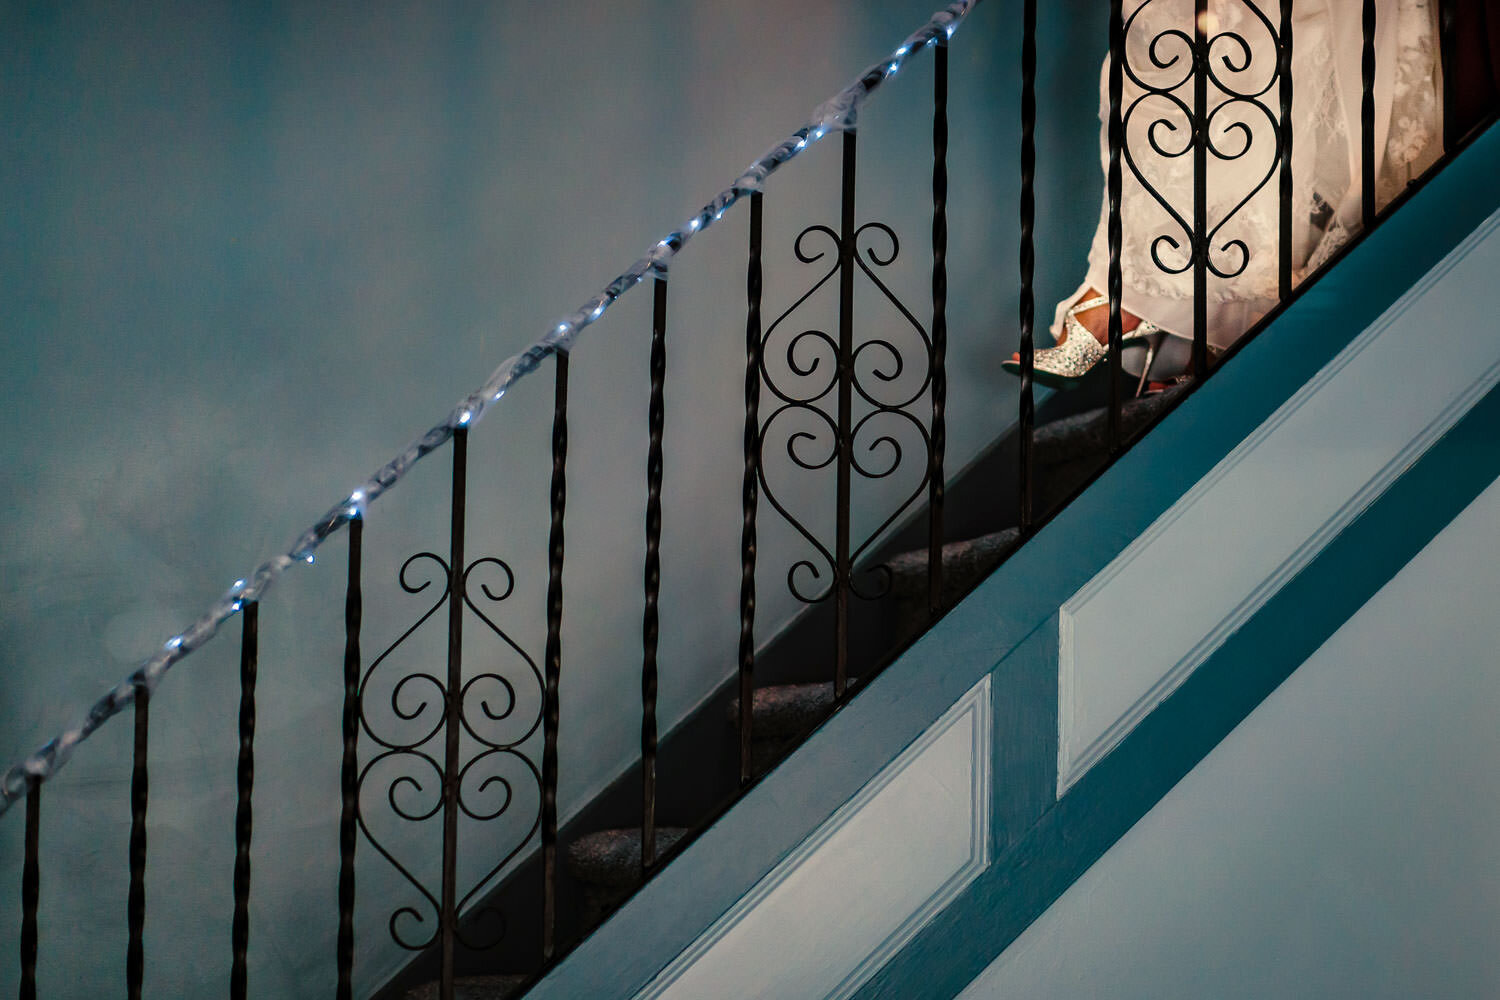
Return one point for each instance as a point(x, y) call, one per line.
point(1415, 335)
point(861, 886)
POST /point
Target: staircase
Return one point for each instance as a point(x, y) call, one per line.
point(640, 888)
point(1049, 826)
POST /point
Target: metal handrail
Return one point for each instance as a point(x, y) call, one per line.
point(837, 114)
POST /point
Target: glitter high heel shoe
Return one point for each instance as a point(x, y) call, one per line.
point(1065, 365)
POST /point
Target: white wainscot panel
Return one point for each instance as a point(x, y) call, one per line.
point(1139, 628)
point(859, 888)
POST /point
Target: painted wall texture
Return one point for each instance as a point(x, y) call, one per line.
point(1288, 488)
point(1339, 843)
point(251, 249)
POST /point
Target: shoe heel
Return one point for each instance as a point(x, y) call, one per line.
point(1151, 345)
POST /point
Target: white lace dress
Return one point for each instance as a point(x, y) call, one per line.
point(1325, 161)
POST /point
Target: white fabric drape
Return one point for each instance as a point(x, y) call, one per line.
point(1326, 77)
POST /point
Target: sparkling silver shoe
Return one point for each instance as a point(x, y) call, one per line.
point(1065, 365)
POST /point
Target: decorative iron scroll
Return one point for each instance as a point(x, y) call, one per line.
point(1219, 117)
point(804, 420)
point(413, 778)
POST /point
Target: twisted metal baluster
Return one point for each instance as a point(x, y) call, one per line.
point(135, 904)
point(1115, 183)
point(31, 887)
point(845, 420)
point(748, 493)
point(1028, 258)
point(938, 364)
point(1200, 188)
point(448, 914)
point(349, 771)
point(243, 817)
point(1367, 117)
point(650, 625)
point(1284, 69)
point(553, 657)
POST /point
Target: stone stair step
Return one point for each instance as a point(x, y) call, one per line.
point(473, 988)
point(785, 711)
point(608, 866)
point(612, 858)
point(1087, 433)
point(782, 714)
point(964, 564)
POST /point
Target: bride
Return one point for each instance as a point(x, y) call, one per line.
point(1157, 299)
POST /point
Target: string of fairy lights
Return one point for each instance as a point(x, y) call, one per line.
point(838, 113)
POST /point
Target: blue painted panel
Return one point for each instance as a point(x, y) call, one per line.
point(1340, 842)
point(1171, 741)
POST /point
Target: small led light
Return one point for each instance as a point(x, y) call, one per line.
point(819, 132)
point(463, 421)
point(562, 328)
point(238, 584)
point(308, 558)
point(694, 225)
point(174, 642)
point(352, 511)
point(951, 29)
point(357, 496)
point(236, 606)
point(891, 69)
point(598, 311)
point(903, 50)
point(801, 143)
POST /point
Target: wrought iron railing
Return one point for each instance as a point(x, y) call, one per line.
point(831, 401)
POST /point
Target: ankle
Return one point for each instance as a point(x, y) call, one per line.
point(1096, 320)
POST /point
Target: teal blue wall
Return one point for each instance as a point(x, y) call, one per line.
point(251, 249)
point(1339, 843)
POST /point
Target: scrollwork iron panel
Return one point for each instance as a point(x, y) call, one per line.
point(1206, 87)
point(407, 769)
point(889, 380)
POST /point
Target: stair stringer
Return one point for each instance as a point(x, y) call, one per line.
point(1061, 832)
point(1042, 862)
point(1008, 620)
